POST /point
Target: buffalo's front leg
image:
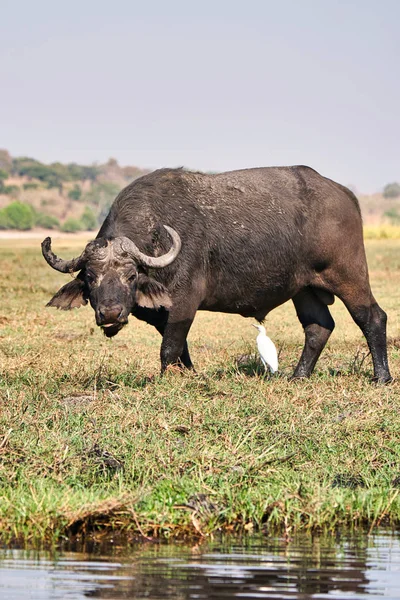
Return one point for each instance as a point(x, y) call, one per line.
point(184, 358)
point(174, 348)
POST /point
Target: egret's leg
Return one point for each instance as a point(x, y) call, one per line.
point(318, 325)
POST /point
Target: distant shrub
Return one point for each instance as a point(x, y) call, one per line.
point(82, 172)
point(75, 193)
point(4, 220)
point(88, 219)
point(71, 225)
point(17, 215)
point(10, 190)
point(30, 186)
point(47, 221)
point(3, 177)
point(391, 190)
point(393, 216)
point(54, 181)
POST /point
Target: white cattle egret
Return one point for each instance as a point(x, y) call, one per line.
point(267, 350)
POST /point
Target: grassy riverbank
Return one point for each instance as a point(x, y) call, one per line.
point(91, 437)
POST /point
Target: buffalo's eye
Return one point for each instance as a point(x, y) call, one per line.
point(131, 276)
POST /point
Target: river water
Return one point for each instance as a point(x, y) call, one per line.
point(344, 567)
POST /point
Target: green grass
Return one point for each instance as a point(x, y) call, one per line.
point(92, 439)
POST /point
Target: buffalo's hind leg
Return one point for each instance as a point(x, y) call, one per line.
point(318, 325)
point(350, 283)
point(371, 319)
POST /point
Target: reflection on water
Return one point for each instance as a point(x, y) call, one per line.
point(319, 567)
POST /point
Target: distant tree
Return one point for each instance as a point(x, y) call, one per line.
point(30, 186)
point(391, 190)
point(75, 193)
point(71, 225)
point(46, 221)
point(18, 215)
point(88, 219)
point(74, 171)
point(90, 172)
point(23, 165)
point(53, 175)
point(60, 170)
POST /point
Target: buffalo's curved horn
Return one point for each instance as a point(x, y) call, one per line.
point(156, 262)
point(64, 266)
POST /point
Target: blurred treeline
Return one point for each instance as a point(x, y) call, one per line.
point(73, 197)
point(70, 197)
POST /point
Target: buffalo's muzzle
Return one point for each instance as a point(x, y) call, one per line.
point(106, 315)
point(111, 318)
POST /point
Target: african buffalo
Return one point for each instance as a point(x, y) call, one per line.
point(244, 242)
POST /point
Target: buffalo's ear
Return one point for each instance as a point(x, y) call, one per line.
point(69, 296)
point(150, 293)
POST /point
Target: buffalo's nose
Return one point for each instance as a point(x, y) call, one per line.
point(110, 314)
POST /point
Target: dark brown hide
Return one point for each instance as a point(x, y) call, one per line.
point(251, 240)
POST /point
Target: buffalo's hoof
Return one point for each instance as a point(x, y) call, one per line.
point(382, 379)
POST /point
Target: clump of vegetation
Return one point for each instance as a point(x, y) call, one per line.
point(391, 190)
point(75, 193)
point(3, 177)
point(393, 216)
point(47, 221)
point(88, 219)
point(92, 439)
point(72, 225)
point(17, 215)
point(22, 216)
point(10, 190)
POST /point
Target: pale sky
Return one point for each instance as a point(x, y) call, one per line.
point(211, 85)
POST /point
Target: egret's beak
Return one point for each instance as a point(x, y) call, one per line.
point(256, 326)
